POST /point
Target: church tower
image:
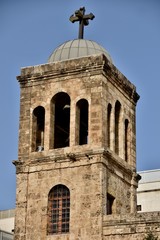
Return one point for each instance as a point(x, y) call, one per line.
point(77, 143)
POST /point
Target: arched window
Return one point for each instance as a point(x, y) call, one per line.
point(38, 129)
point(60, 120)
point(82, 122)
point(126, 138)
point(117, 128)
point(58, 210)
point(109, 124)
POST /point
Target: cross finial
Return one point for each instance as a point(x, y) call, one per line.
point(82, 18)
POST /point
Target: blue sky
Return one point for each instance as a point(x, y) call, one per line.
point(30, 30)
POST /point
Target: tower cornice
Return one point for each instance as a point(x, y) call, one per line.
point(85, 66)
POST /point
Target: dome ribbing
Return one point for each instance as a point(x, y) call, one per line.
point(75, 49)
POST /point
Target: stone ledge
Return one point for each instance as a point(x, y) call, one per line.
point(134, 225)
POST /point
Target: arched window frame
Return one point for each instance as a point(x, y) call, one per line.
point(117, 126)
point(82, 121)
point(109, 109)
point(60, 121)
point(58, 210)
point(126, 139)
point(38, 129)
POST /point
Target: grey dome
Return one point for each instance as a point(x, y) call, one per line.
point(75, 49)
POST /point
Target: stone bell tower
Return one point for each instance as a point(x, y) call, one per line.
point(77, 143)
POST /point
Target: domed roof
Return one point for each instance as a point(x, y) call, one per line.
point(75, 49)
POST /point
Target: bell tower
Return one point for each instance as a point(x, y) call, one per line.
point(77, 144)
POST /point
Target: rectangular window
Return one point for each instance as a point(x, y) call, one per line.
point(110, 200)
point(139, 208)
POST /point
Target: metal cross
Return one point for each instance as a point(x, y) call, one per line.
point(83, 20)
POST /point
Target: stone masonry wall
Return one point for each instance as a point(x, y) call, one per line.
point(84, 180)
point(131, 227)
point(90, 170)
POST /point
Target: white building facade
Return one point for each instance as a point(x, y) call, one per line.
point(7, 224)
point(148, 192)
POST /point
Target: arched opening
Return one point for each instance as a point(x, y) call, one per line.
point(117, 128)
point(109, 125)
point(126, 123)
point(58, 210)
point(38, 129)
point(60, 120)
point(82, 122)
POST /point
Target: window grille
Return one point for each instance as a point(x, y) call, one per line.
point(58, 210)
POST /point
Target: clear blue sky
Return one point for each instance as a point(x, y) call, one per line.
point(29, 32)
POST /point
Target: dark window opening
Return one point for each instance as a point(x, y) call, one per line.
point(126, 139)
point(82, 122)
point(110, 200)
point(38, 129)
point(109, 124)
point(58, 210)
point(139, 208)
point(117, 119)
point(61, 120)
